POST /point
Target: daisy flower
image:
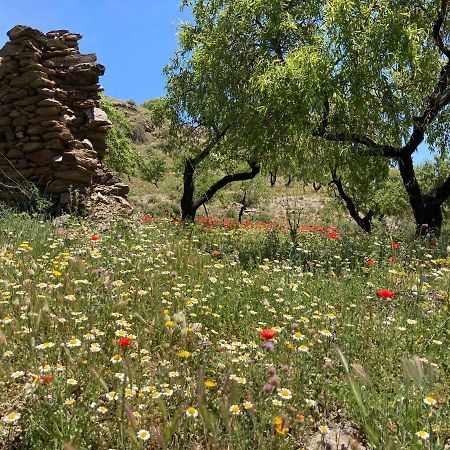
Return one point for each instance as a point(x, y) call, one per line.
point(422, 434)
point(143, 435)
point(111, 396)
point(73, 343)
point(45, 345)
point(285, 394)
point(11, 417)
point(430, 401)
point(191, 412)
point(235, 410)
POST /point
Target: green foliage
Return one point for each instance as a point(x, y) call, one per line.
point(153, 169)
point(122, 155)
point(256, 192)
point(277, 73)
point(158, 109)
point(30, 200)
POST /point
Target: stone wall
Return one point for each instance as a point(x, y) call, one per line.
point(52, 132)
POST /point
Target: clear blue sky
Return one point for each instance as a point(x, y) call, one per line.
point(134, 39)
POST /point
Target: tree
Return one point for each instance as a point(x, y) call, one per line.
point(373, 76)
point(211, 100)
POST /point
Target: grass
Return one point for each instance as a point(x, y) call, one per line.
point(336, 361)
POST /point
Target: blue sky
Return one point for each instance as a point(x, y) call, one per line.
point(134, 39)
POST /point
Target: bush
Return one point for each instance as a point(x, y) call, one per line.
point(122, 155)
point(153, 169)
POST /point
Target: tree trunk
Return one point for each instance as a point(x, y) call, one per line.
point(243, 208)
point(273, 177)
point(426, 208)
point(187, 200)
point(189, 205)
point(365, 222)
point(432, 218)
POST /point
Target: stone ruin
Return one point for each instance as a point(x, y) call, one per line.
point(52, 132)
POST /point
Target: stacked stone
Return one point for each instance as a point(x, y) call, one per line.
point(52, 132)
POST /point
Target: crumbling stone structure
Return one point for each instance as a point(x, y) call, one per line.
point(52, 132)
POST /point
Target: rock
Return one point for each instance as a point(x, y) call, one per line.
point(14, 153)
point(77, 175)
point(96, 118)
point(20, 121)
point(64, 62)
point(20, 31)
point(43, 157)
point(48, 110)
point(42, 83)
point(26, 78)
point(32, 146)
point(80, 158)
point(10, 49)
point(5, 120)
point(56, 43)
point(49, 102)
point(27, 101)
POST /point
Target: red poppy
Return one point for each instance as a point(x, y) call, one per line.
point(124, 341)
point(46, 379)
point(333, 235)
point(267, 334)
point(394, 244)
point(370, 262)
point(216, 253)
point(146, 219)
point(95, 237)
point(385, 293)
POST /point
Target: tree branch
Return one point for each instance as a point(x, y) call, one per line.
point(375, 149)
point(445, 49)
point(227, 179)
point(207, 150)
point(439, 98)
point(363, 222)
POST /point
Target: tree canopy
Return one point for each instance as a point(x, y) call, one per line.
point(284, 78)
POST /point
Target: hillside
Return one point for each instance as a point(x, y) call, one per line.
point(264, 202)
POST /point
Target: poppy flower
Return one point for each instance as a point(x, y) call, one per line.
point(46, 379)
point(216, 253)
point(267, 334)
point(95, 237)
point(394, 244)
point(370, 262)
point(333, 235)
point(385, 293)
point(124, 341)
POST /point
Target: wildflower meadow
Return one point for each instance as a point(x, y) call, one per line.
point(153, 334)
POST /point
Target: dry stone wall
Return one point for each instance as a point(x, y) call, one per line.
point(52, 132)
